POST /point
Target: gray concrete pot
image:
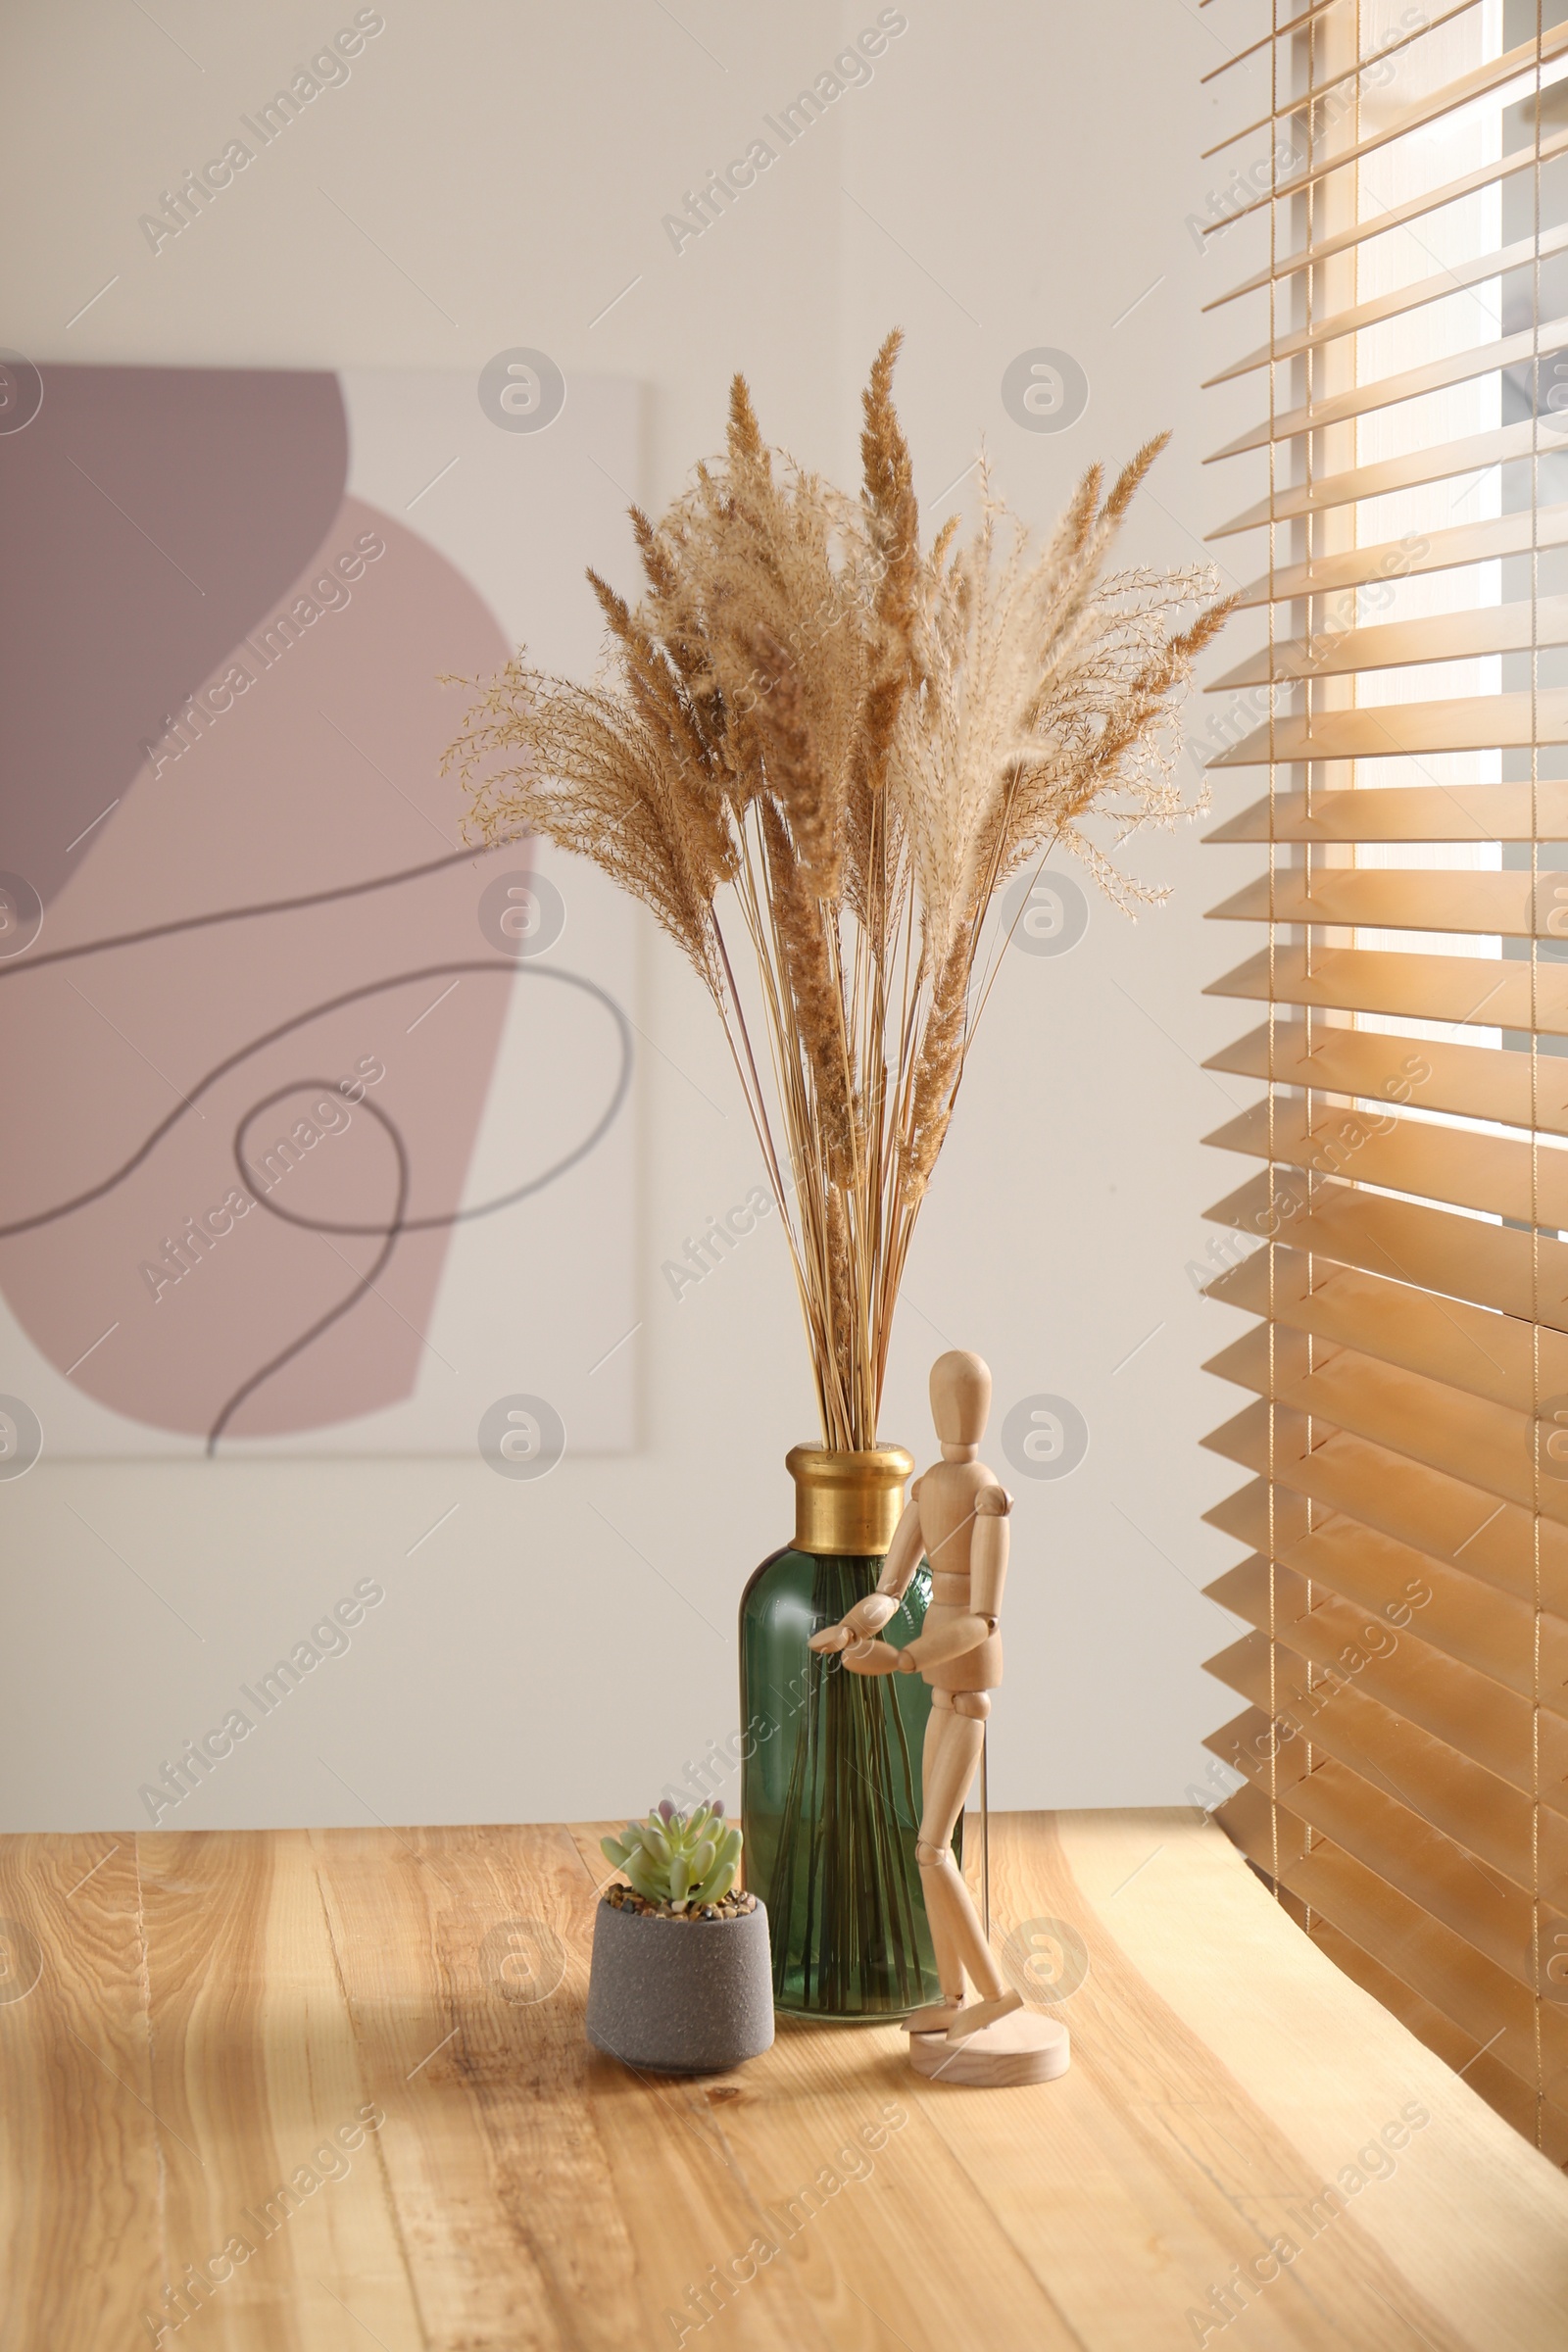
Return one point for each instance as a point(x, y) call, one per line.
point(672, 1998)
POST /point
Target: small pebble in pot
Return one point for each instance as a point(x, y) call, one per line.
point(734, 1905)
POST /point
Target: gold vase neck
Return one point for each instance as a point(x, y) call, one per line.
point(847, 1503)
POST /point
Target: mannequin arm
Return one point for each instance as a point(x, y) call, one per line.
point(987, 1552)
point(904, 1554)
point(987, 1569)
point(870, 1615)
point(950, 1639)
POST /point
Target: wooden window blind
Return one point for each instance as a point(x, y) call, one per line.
point(1390, 219)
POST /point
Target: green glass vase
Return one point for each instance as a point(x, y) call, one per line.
point(830, 1789)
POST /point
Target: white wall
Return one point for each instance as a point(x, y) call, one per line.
point(1016, 175)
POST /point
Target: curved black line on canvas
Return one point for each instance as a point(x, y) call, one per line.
point(484, 1208)
point(355, 996)
point(364, 1282)
point(390, 1233)
point(234, 914)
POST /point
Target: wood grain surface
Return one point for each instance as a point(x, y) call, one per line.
point(309, 2091)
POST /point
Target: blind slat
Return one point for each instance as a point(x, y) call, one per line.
point(1500, 1175)
point(1513, 1273)
point(1276, 33)
point(1511, 628)
point(1319, 91)
point(1460, 989)
point(1405, 899)
point(1491, 1447)
point(1413, 812)
point(1475, 1081)
point(1419, 1949)
point(1453, 1612)
point(1411, 557)
point(1396, 730)
point(1476, 1900)
point(1357, 1713)
point(1482, 81)
point(1453, 280)
point(1430, 1510)
point(1472, 454)
point(1285, 29)
point(1499, 1358)
point(1332, 1497)
point(1292, 260)
point(1387, 391)
point(1473, 2057)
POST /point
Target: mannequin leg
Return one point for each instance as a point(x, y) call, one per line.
point(950, 1964)
point(951, 1769)
point(998, 2000)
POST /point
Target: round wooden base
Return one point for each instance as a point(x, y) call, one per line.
point(1024, 2047)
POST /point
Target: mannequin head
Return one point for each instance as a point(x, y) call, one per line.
point(961, 1401)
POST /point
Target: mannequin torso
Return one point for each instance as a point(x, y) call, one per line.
point(947, 1496)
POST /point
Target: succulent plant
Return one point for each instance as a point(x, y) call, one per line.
point(678, 1858)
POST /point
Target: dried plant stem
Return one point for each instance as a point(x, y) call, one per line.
point(850, 747)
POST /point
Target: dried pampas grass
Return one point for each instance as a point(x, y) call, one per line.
point(847, 747)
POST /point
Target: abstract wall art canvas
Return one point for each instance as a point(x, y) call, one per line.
point(319, 1116)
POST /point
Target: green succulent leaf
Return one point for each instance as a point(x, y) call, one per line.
point(647, 1881)
point(720, 1876)
point(680, 1858)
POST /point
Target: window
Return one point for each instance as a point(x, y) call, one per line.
point(1393, 226)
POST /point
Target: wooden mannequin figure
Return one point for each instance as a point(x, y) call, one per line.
point(956, 1518)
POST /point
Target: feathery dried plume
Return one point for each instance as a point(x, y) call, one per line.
point(893, 527)
point(849, 746)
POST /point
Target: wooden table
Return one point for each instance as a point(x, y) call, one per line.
point(218, 2016)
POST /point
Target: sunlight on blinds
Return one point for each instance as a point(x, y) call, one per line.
point(1392, 226)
